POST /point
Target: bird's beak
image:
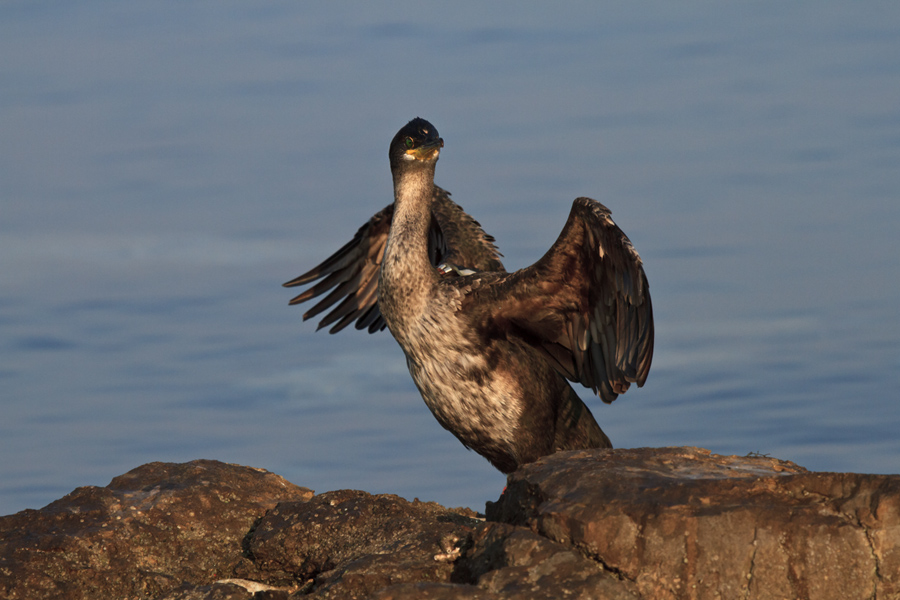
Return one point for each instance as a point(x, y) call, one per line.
point(427, 151)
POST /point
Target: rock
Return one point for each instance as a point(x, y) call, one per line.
point(146, 533)
point(515, 562)
point(681, 523)
point(348, 544)
point(433, 591)
point(614, 524)
point(229, 589)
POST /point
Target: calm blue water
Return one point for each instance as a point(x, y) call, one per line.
point(164, 167)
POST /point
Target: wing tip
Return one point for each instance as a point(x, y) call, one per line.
point(301, 279)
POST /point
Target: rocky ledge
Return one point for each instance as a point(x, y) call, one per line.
point(644, 523)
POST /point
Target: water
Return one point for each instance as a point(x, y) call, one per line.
point(164, 167)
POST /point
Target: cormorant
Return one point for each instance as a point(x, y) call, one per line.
point(490, 351)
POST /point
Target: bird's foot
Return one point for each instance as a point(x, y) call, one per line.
point(450, 268)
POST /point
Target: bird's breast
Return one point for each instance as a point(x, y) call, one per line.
point(469, 393)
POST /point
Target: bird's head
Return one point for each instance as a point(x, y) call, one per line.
point(417, 143)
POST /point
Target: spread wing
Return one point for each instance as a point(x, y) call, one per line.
point(350, 275)
point(456, 238)
point(585, 304)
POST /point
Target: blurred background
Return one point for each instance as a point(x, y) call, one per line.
point(165, 166)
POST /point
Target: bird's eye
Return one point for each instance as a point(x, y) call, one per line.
point(409, 143)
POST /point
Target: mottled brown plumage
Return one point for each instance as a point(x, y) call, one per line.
point(490, 351)
point(454, 238)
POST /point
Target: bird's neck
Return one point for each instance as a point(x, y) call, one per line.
point(407, 275)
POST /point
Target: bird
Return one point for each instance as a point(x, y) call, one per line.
point(492, 352)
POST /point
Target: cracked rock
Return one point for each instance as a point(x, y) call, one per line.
point(349, 544)
point(517, 563)
point(682, 523)
point(609, 524)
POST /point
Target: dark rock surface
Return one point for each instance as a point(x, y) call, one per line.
point(619, 524)
point(350, 544)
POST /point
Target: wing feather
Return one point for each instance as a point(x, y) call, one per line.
point(585, 304)
point(350, 275)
